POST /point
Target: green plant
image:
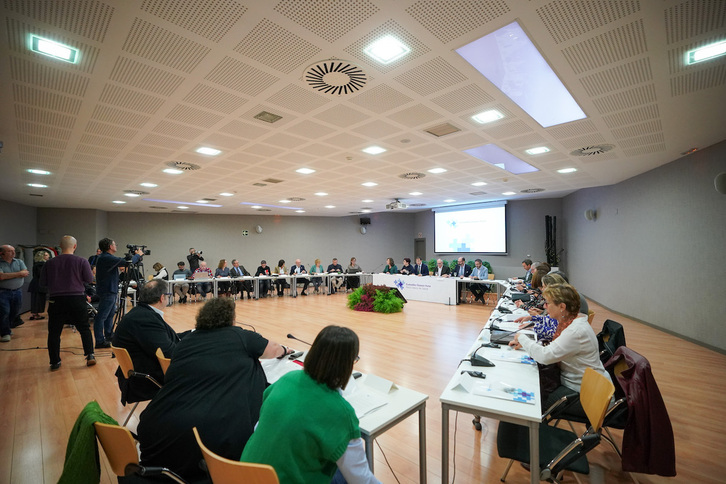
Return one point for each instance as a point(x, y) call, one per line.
point(488, 266)
point(387, 302)
point(354, 297)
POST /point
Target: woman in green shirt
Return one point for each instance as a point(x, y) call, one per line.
point(326, 436)
point(390, 267)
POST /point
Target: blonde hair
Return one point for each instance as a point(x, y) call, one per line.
point(564, 293)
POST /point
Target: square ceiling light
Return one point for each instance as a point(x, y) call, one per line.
point(509, 59)
point(206, 150)
point(54, 49)
point(374, 150)
point(487, 116)
point(387, 49)
point(500, 158)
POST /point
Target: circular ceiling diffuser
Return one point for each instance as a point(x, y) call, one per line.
point(138, 193)
point(335, 77)
point(264, 210)
point(412, 175)
point(183, 165)
point(295, 199)
point(532, 190)
point(416, 204)
point(157, 207)
point(592, 150)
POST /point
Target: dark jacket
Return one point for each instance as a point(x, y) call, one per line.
point(141, 332)
point(648, 445)
point(467, 271)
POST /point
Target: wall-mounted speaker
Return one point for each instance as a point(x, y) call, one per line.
point(365, 220)
point(720, 183)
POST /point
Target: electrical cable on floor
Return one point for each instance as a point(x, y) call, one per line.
point(386, 459)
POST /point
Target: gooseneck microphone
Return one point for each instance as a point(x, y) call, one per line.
point(298, 339)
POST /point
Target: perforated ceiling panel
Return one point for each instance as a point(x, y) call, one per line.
point(164, 47)
point(567, 19)
point(276, 47)
point(87, 18)
point(240, 77)
point(381, 99)
point(430, 77)
point(693, 18)
point(211, 19)
point(394, 29)
point(449, 19)
point(215, 99)
point(328, 19)
point(612, 46)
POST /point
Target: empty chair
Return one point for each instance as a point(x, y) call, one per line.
point(127, 368)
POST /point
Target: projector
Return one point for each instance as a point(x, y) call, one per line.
point(397, 205)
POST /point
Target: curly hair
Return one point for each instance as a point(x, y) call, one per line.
point(216, 313)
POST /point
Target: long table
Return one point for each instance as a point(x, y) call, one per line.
point(431, 288)
point(456, 397)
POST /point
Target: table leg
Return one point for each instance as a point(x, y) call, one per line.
point(422, 443)
point(369, 449)
point(444, 444)
point(257, 288)
point(534, 452)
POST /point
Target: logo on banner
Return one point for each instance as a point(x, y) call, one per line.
point(399, 284)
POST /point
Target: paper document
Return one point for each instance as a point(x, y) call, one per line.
point(512, 356)
point(363, 399)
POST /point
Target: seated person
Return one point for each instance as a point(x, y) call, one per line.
point(215, 383)
point(298, 269)
point(203, 272)
point(280, 283)
point(536, 300)
point(422, 269)
point(390, 267)
point(441, 270)
point(223, 287)
point(141, 331)
point(407, 269)
point(544, 325)
point(241, 287)
point(353, 268)
point(181, 289)
point(263, 270)
point(335, 282)
point(320, 414)
point(161, 272)
point(479, 272)
point(574, 345)
point(317, 268)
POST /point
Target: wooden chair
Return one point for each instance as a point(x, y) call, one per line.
point(127, 367)
point(163, 360)
point(590, 316)
point(226, 471)
point(119, 446)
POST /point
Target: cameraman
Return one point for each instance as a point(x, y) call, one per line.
point(194, 259)
point(107, 277)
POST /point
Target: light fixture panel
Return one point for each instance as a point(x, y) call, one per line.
point(54, 49)
point(387, 49)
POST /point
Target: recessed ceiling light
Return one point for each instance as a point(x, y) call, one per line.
point(299, 211)
point(205, 150)
point(284, 201)
point(330, 206)
point(38, 172)
point(706, 52)
point(367, 201)
point(479, 184)
point(37, 185)
point(118, 202)
point(415, 193)
point(256, 206)
point(173, 171)
point(567, 170)
point(487, 116)
point(366, 210)
point(53, 49)
point(437, 170)
point(537, 151)
point(321, 194)
point(149, 185)
point(182, 207)
point(305, 171)
point(132, 195)
point(226, 194)
point(509, 193)
point(369, 184)
point(202, 201)
point(387, 49)
point(449, 200)
point(374, 150)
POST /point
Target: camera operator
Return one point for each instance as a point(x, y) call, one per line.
point(194, 257)
point(107, 279)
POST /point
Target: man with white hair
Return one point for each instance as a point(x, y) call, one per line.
point(65, 277)
point(12, 275)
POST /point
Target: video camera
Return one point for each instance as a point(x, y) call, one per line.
point(133, 248)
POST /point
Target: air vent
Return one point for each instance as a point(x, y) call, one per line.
point(259, 184)
point(209, 199)
point(136, 192)
point(183, 165)
point(335, 77)
point(532, 190)
point(416, 204)
point(476, 194)
point(35, 194)
point(155, 207)
point(264, 210)
point(272, 180)
point(442, 130)
point(592, 150)
point(412, 175)
point(268, 117)
point(295, 199)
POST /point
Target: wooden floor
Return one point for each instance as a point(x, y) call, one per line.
point(418, 348)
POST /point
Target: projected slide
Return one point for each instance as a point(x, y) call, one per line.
point(480, 230)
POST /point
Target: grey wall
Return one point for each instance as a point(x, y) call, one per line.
point(656, 250)
point(54, 223)
point(18, 229)
point(525, 236)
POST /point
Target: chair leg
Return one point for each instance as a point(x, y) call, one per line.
point(130, 414)
point(506, 470)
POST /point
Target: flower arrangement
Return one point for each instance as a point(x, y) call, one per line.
point(379, 299)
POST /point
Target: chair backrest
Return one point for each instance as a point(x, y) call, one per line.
point(226, 471)
point(119, 446)
point(590, 316)
point(124, 360)
point(491, 277)
point(163, 360)
point(595, 394)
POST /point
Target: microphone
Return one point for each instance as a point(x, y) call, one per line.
point(298, 339)
point(377, 267)
point(504, 310)
point(507, 333)
point(477, 360)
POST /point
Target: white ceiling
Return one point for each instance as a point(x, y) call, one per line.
point(159, 78)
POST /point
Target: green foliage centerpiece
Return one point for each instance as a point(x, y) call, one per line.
point(379, 299)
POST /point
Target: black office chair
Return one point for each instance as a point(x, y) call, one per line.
point(560, 449)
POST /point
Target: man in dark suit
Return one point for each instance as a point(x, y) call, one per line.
point(141, 332)
point(238, 270)
point(298, 269)
point(441, 270)
point(263, 270)
point(422, 269)
point(462, 271)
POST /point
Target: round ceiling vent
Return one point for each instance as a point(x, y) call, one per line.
point(412, 175)
point(136, 193)
point(183, 165)
point(264, 210)
point(335, 77)
point(532, 190)
point(592, 150)
point(295, 199)
point(416, 204)
point(157, 207)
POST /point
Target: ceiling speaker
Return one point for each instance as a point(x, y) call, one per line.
point(590, 214)
point(720, 183)
point(363, 229)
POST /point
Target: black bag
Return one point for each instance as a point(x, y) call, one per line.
point(549, 381)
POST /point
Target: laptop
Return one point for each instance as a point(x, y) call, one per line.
point(179, 277)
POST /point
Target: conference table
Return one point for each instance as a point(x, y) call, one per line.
point(509, 393)
point(429, 288)
point(378, 403)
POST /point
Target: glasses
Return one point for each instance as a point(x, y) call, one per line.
point(357, 358)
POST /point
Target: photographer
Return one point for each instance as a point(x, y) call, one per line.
point(194, 257)
point(107, 278)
